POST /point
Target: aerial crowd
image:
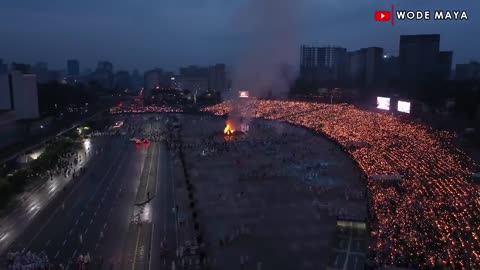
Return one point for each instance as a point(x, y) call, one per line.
point(428, 214)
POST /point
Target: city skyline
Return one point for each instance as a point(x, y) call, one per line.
point(161, 36)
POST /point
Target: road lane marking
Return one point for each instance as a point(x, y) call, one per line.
point(64, 242)
point(136, 249)
point(56, 254)
point(74, 253)
point(95, 213)
point(150, 249)
point(104, 225)
point(85, 232)
point(91, 221)
point(81, 214)
point(149, 172)
point(76, 222)
point(48, 242)
point(70, 232)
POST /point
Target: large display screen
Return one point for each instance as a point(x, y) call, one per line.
point(383, 103)
point(403, 106)
point(243, 94)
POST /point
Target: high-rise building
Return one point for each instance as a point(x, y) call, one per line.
point(152, 80)
point(123, 81)
point(73, 68)
point(104, 74)
point(366, 66)
point(3, 67)
point(444, 64)
point(391, 68)
point(6, 96)
point(323, 63)
point(41, 70)
point(25, 95)
point(194, 71)
point(420, 58)
point(470, 71)
point(217, 79)
point(24, 68)
point(197, 85)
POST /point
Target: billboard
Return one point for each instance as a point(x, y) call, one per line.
point(383, 103)
point(403, 106)
point(243, 94)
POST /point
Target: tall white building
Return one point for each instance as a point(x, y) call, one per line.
point(25, 95)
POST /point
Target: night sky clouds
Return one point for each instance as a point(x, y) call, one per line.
point(171, 33)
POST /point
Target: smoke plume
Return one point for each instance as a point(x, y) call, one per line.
point(269, 61)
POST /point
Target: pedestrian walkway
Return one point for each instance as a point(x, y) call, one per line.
point(39, 194)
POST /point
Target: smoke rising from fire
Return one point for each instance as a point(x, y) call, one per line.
point(268, 62)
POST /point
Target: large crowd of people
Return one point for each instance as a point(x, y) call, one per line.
point(26, 260)
point(144, 109)
point(431, 217)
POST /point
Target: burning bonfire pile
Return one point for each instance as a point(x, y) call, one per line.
point(229, 131)
point(235, 127)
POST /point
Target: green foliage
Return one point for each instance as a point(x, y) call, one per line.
point(46, 161)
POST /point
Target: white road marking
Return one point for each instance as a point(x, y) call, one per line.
point(64, 242)
point(48, 242)
point(104, 225)
point(74, 253)
point(70, 232)
point(56, 254)
point(85, 232)
point(76, 222)
point(91, 221)
point(81, 214)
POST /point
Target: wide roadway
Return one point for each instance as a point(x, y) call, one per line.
point(95, 214)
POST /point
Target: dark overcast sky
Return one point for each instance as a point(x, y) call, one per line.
point(171, 33)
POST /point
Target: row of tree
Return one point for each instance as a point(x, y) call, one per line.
point(55, 97)
point(15, 183)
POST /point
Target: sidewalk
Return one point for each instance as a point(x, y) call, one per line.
point(38, 195)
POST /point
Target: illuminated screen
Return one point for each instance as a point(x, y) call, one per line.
point(383, 103)
point(403, 106)
point(243, 94)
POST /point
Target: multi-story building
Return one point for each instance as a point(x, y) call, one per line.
point(366, 66)
point(73, 68)
point(6, 96)
point(122, 81)
point(104, 74)
point(3, 67)
point(470, 71)
point(24, 68)
point(323, 63)
point(25, 95)
point(194, 71)
point(152, 80)
point(420, 58)
point(217, 79)
point(41, 70)
point(197, 85)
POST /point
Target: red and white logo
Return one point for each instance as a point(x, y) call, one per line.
point(382, 16)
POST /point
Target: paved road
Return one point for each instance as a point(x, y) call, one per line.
point(38, 195)
point(152, 240)
point(164, 219)
point(97, 214)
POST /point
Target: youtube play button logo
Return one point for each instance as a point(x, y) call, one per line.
point(382, 16)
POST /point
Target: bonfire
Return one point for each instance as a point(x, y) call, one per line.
point(228, 129)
